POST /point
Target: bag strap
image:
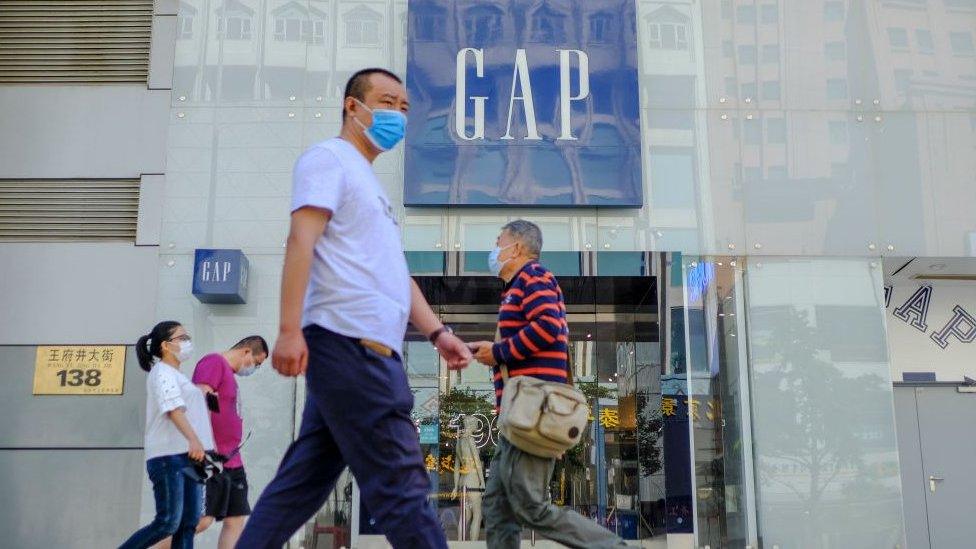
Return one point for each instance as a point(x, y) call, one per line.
point(502, 367)
point(237, 450)
point(570, 379)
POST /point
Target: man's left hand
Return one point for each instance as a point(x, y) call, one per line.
point(454, 351)
point(482, 352)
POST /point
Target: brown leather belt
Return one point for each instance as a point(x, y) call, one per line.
point(377, 347)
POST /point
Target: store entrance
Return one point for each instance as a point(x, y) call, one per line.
point(616, 476)
point(666, 460)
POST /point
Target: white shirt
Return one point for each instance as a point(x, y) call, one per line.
point(166, 390)
point(359, 284)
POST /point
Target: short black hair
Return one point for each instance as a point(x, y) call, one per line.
point(256, 343)
point(358, 85)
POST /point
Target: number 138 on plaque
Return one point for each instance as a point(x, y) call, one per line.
point(79, 370)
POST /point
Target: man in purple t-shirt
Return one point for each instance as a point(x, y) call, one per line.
point(215, 373)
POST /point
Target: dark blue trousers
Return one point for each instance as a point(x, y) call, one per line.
point(357, 413)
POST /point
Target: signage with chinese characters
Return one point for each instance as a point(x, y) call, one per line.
point(609, 417)
point(446, 464)
point(680, 407)
point(220, 276)
point(523, 103)
point(79, 370)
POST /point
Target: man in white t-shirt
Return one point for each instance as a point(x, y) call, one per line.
point(344, 260)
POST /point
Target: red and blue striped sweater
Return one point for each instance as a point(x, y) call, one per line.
point(533, 329)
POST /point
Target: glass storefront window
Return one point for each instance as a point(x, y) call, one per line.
point(426, 263)
point(475, 263)
point(563, 263)
point(793, 434)
point(696, 437)
point(620, 263)
point(826, 458)
point(717, 402)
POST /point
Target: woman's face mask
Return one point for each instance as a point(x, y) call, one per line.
point(184, 350)
point(388, 127)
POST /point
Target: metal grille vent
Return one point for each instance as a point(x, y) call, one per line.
point(37, 210)
point(75, 41)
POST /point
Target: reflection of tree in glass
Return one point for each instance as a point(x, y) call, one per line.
point(464, 401)
point(649, 424)
point(574, 458)
point(815, 429)
point(571, 469)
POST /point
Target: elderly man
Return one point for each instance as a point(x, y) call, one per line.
point(534, 342)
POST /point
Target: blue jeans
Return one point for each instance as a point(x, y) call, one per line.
point(357, 413)
point(178, 505)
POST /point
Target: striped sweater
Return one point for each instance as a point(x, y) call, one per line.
point(533, 329)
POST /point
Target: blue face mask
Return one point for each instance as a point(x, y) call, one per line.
point(493, 263)
point(387, 129)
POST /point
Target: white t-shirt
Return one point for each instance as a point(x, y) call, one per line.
point(359, 284)
point(166, 390)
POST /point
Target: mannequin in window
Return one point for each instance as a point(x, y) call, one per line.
point(469, 477)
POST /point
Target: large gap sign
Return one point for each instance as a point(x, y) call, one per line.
point(523, 103)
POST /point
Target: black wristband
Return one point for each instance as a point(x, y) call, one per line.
point(437, 333)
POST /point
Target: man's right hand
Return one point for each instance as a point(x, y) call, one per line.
point(455, 352)
point(290, 356)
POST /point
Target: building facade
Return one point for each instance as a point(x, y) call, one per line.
point(806, 168)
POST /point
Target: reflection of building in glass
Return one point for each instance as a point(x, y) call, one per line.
point(482, 25)
point(294, 23)
point(273, 50)
point(868, 59)
point(362, 26)
point(675, 138)
point(184, 22)
point(234, 21)
point(924, 68)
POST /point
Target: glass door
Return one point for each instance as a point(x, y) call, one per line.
point(459, 437)
point(616, 475)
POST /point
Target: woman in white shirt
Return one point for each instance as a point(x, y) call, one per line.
point(177, 431)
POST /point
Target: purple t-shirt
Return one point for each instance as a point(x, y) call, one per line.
point(228, 427)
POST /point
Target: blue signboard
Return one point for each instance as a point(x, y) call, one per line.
point(429, 433)
point(220, 276)
point(523, 103)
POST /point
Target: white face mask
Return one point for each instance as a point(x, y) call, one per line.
point(247, 370)
point(185, 352)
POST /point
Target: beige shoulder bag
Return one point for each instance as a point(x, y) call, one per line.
point(543, 418)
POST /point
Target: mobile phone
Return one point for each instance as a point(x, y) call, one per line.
point(213, 403)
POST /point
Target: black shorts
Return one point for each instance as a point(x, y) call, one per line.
point(227, 495)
